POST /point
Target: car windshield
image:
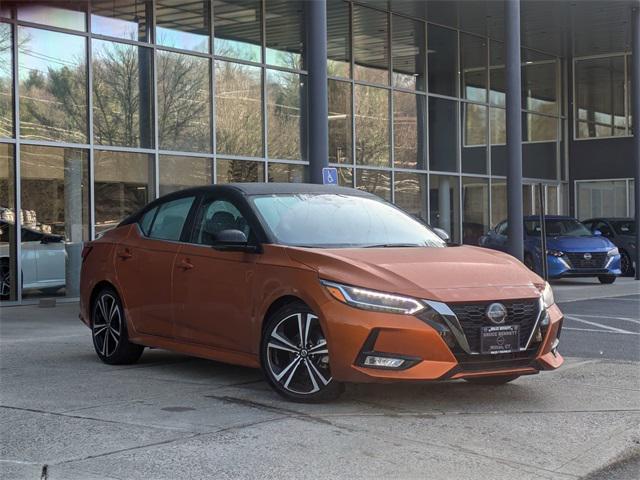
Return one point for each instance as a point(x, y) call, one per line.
point(558, 228)
point(624, 227)
point(331, 220)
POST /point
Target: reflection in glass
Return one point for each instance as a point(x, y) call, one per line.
point(498, 201)
point(6, 81)
point(444, 204)
point(338, 39)
point(237, 27)
point(184, 25)
point(539, 128)
point(54, 196)
point(345, 177)
point(122, 94)
point(238, 109)
point(287, 173)
point(377, 182)
point(127, 19)
point(183, 102)
point(408, 53)
point(539, 160)
point(178, 172)
point(123, 185)
point(442, 132)
point(539, 84)
point(409, 123)
point(475, 213)
point(602, 199)
point(473, 66)
point(551, 204)
point(230, 171)
point(496, 74)
point(285, 33)
point(5, 11)
point(370, 45)
point(339, 121)
point(62, 14)
point(53, 90)
point(443, 64)
point(474, 138)
point(498, 141)
point(372, 126)
point(410, 190)
point(284, 112)
point(8, 291)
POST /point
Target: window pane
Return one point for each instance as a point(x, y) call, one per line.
point(238, 109)
point(552, 207)
point(123, 185)
point(53, 88)
point(496, 74)
point(178, 173)
point(8, 267)
point(411, 193)
point(181, 24)
point(284, 107)
point(443, 63)
point(68, 14)
point(285, 33)
point(442, 134)
point(54, 183)
point(473, 65)
point(475, 215)
point(183, 102)
point(474, 138)
point(409, 121)
point(408, 53)
point(498, 141)
point(539, 160)
point(128, 19)
point(372, 126)
point(6, 81)
point(600, 97)
point(444, 204)
point(122, 94)
point(377, 182)
point(602, 199)
point(237, 27)
point(231, 171)
point(345, 177)
point(339, 122)
point(338, 39)
point(287, 173)
point(5, 11)
point(539, 128)
point(370, 45)
point(539, 83)
point(498, 201)
point(170, 219)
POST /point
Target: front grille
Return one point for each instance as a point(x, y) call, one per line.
point(472, 318)
point(471, 363)
point(577, 260)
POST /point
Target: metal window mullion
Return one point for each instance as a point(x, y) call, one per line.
point(390, 108)
point(17, 170)
point(263, 76)
point(212, 96)
point(92, 176)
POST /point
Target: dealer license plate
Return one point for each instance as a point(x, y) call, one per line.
point(500, 339)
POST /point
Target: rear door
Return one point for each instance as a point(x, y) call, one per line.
point(145, 266)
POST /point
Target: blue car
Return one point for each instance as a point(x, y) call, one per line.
point(572, 249)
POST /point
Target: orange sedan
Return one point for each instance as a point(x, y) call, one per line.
point(317, 286)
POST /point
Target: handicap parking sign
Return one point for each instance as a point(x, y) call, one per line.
point(330, 176)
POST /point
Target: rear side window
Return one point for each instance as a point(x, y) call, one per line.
point(170, 219)
point(147, 220)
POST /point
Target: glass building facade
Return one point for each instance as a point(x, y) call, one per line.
point(107, 104)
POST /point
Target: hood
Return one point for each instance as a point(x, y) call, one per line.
point(452, 274)
point(579, 244)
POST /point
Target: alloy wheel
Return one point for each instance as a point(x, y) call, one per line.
point(5, 282)
point(107, 324)
point(297, 354)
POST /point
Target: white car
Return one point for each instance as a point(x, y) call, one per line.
point(43, 260)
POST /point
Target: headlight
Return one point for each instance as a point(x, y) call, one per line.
point(373, 300)
point(547, 296)
point(555, 253)
point(613, 252)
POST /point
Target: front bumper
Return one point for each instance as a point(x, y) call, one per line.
point(560, 267)
point(352, 333)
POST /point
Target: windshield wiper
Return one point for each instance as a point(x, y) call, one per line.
point(392, 245)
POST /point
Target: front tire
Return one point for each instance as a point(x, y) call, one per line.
point(494, 380)
point(109, 330)
point(626, 264)
point(606, 279)
point(295, 358)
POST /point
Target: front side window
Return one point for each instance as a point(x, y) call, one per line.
point(170, 219)
point(214, 217)
point(147, 219)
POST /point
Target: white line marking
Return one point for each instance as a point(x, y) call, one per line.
point(594, 330)
point(594, 324)
point(620, 299)
point(626, 319)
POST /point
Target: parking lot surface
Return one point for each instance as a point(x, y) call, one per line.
point(65, 415)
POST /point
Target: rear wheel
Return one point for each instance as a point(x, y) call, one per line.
point(109, 330)
point(5, 281)
point(295, 357)
point(606, 279)
point(494, 380)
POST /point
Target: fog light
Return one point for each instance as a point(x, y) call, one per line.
point(383, 362)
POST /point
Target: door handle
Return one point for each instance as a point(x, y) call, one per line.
point(185, 264)
point(125, 254)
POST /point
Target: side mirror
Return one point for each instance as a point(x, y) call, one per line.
point(597, 233)
point(233, 240)
point(442, 234)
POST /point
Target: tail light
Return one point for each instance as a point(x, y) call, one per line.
point(86, 250)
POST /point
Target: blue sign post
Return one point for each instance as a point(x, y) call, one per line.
point(330, 176)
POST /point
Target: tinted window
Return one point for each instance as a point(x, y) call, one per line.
point(214, 217)
point(624, 227)
point(147, 220)
point(170, 219)
point(502, 229)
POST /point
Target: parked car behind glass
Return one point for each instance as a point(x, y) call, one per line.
point(622, 233)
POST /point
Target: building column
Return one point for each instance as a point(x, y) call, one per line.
point(513, 89)
point(635, 112)
point(318, 104)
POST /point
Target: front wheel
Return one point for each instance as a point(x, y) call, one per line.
point(626, 265)
point(295, 357)
point(606, 279)
point(494, 380)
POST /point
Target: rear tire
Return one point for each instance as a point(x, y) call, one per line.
point(606, 279)
point(109, 330)
point(494, 380)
